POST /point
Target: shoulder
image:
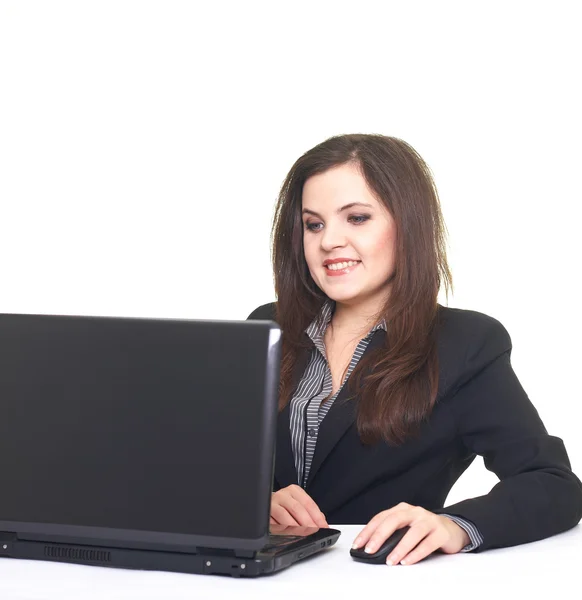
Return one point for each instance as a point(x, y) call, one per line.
point(468, 341)
point(265, 312)
point(461, 325)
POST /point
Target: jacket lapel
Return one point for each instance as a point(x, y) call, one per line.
point(339, 418)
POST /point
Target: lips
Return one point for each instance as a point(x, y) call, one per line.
point(332, 261)
point(345, 271)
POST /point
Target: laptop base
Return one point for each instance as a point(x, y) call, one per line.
point(264, 562)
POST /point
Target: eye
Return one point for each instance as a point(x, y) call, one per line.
point(311, 226)
point(363, 218)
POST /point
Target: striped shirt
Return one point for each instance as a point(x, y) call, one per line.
point(308, 409)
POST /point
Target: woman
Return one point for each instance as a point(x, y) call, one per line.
point(386, 396)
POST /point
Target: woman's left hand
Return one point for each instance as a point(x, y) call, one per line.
point(428, 532)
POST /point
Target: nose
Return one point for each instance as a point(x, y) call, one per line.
point(332, 237)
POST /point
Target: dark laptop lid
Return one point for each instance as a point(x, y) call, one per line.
point(138, 432)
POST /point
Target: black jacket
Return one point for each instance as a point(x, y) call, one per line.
point(481, 409)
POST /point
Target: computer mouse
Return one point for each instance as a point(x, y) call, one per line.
point(379, 557)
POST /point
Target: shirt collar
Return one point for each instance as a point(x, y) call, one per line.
point(318, 326)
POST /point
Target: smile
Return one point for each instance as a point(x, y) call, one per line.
point(342, 268)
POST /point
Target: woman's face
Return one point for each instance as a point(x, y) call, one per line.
point(343, 220)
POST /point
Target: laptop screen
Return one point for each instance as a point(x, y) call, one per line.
point(155, 425)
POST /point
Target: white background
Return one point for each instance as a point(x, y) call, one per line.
point(143, 144)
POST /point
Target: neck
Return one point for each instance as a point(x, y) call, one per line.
point(355, 320)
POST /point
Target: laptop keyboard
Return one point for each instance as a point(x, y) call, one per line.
point(281, 541)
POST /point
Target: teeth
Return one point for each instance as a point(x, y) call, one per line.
point(342, 265)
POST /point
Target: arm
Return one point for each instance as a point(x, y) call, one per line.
point(475, 539)
point(538, 495)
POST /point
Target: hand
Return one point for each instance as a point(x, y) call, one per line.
point(428, 532)
point(293, 506)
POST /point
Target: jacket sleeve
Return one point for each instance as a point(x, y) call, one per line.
point(537, 495)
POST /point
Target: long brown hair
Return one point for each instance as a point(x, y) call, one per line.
point(398, 381)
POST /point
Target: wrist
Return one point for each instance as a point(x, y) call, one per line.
point(459, 538)
point(465, 539)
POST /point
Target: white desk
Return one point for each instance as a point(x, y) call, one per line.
point(546, 570)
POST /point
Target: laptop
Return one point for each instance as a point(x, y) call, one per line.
point(143, 443)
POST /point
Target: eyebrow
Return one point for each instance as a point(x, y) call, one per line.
point(339, 210)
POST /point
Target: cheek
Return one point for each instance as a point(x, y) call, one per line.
point(310, 254)
point(381, 246)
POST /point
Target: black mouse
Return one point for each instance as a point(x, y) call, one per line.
point(379, 557)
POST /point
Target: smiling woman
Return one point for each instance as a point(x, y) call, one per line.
point(386, 396)
point(371, 199)
point(369, 234)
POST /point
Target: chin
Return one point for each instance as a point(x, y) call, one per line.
point(343, 297)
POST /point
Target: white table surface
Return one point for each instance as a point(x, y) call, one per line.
point(544, 569)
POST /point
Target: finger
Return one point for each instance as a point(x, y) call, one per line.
point(282, 516)
point(414, 536)
point(372, 539)
point(297, 511)
point(277, 528)
point(430, 543)
point(375, 521)
point(369, 529)
point(309, 504)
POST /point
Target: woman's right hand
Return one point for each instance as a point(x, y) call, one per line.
point(293, 506)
